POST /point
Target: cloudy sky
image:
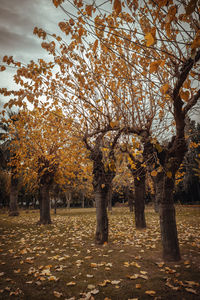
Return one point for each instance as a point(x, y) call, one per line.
point(17, 21)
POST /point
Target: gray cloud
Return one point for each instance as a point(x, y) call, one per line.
point(17, 21)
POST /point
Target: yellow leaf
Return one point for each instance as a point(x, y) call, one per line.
point(117, 6)
point(150, 39)
point(158, 147)
point(151, 293)
point(169, 174)
point(191, 291)
point(57, 294)
point(71, 283)
point(93, 265)
point(154, 173)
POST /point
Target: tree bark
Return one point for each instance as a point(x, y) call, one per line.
point(169, 236)
point(102, 183)
point(101, 216)
point(158, 187)
point(13, 206)
point(68, 197)
point(109, 198)
point(140, 221)
point(82, 199)
point(45, 217)
point(130, 197)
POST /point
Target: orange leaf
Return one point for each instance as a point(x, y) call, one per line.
point(185, 95)
point(150, 39)
point(95, 45)
point(151, 293)
point(88, 9)
point(164, 88)
point(154, 173)
point(117, 6)
point(169, 174)
point(3, 68)
point(154, 66)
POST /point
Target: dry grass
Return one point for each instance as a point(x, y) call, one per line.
point(61, 260)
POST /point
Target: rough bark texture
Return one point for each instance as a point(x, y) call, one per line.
point(109, 198)
point(46, 176)
point(139, 197)
point(101, 216)
point(158, 186)
point(140, 221)
point(13, 207)
point(45, 217)
point(130, 197)
point(170, 158)
point(103, 174)
point(100, 192)
point(168, 227)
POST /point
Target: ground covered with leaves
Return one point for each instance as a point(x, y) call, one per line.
point(62, 261)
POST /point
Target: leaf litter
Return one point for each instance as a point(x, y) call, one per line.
point(32, 255)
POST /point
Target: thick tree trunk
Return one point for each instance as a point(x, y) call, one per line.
point(45, 217)
point(101, 216)
point(140, 221)
point(168, 227)
point(13, 207)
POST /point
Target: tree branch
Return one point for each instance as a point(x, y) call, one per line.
point(192, 102)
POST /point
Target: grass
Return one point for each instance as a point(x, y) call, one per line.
point(62, 261)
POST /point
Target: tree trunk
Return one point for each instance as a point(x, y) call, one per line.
point(140, 221)
point(158, 187)
point(55, 205)
point(101, 216)
point(109, 198)
point(68, 197)
point(83, 199)
point(168, 227)
point(45, 217)
point(13, 207)
point(130, 197)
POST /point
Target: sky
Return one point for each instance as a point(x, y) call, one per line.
point(17, 21)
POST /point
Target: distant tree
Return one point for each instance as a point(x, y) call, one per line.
point(7, 154)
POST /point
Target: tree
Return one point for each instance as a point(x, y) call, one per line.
point(148, 49)
point(164, 41)
point(45, 154)
point(7, 155)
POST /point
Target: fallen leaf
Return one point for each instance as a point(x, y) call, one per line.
point(57, 294)
point(191, 291)
point(115, 281)
point(94, 292)
point(150, 293)
point(71, 283)
point(91, 286)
